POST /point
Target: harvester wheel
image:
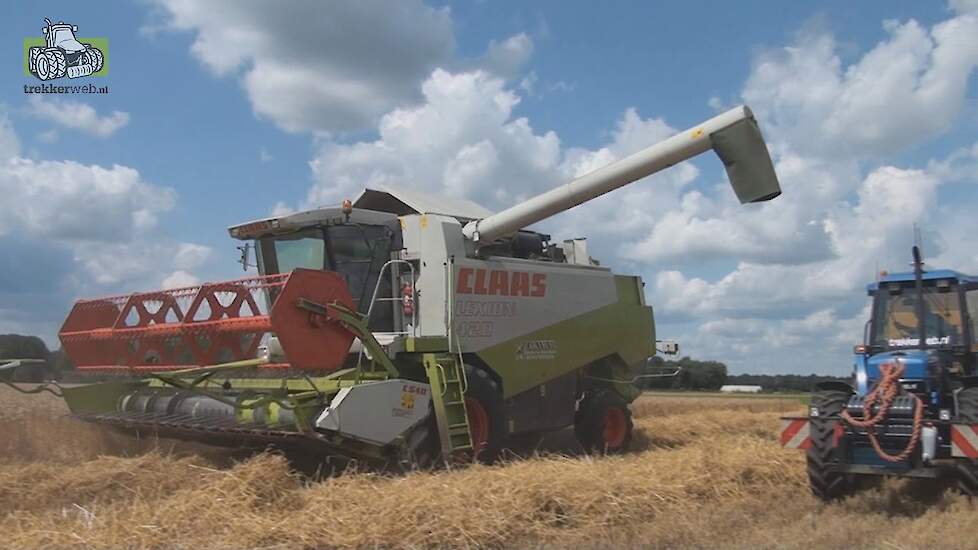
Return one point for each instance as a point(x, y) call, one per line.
point(826, 484)
point(484, 405)
point(603, 423)
point(968, 469)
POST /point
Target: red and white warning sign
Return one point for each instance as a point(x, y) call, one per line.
point(964, 440)
point(794, 433)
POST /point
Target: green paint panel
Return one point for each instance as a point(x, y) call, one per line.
point(625, 328)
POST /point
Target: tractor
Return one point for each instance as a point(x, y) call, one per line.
point(399, 328)
point(912, 407)
point(63, 54)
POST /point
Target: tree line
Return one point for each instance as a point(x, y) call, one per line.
point(711, 375)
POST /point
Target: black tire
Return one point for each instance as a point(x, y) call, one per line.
point(95, 57)
point(485, 392)
point(826, 484)
point(57, 64)
point(967, 469)
point(603, 423)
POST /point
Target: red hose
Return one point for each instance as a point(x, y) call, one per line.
point(886, 390)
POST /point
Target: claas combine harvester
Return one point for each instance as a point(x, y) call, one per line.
point(912, 407)
point(398, 328)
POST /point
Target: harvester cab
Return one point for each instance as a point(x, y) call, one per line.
point(912, 408)
point(398, 327)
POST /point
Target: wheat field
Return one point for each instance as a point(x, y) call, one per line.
point(706, 473)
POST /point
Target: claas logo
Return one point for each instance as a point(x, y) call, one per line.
point(498, 282)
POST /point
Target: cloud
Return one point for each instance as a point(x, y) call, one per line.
point(70, 201)
point(508, 57)
point(461, 141)
point(71, 229)
point(323, 66)
point(9, 143)
point(179, 279)
point(333, 67)
point(908, 88)
point(78, 116)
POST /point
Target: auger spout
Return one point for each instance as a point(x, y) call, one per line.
point(734, 135)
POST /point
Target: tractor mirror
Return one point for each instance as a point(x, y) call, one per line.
point(741, 148)
point(74, 28)
point(44, 30)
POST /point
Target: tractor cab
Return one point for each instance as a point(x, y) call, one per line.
point(62, 35)
point(928, 323)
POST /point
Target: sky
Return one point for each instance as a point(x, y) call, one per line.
point(219, 113)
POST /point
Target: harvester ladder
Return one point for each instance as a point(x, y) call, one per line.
point(448, 384)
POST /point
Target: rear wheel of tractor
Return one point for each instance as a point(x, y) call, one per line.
point(603, 423)
point(826, 484)
point(484, 408)
point(967, 469)
point(57, 64)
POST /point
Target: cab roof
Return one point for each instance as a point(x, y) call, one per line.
point(927, 276)
point(403, 202)
point(372, 207)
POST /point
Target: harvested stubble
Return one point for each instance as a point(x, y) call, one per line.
point(709, 476)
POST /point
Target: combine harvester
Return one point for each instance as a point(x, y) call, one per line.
point(913, 409)
point(398, 328)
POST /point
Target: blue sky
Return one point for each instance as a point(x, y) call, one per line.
point(220, 113)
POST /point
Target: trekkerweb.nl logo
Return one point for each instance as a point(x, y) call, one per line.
point(59, 53)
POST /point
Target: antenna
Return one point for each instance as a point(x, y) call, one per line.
point(917, 237)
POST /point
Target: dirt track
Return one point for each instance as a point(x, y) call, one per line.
point(706, 473)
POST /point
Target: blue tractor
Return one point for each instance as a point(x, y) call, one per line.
point(912, 407)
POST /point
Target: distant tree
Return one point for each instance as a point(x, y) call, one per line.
point(693, 374)
point(17, 346)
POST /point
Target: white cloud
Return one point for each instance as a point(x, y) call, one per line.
point(461, 141)
point(179, 279)
point(264, 155)
point(9, 144)
point(329, 67)
point(71, 201)
point(310, 65)
point(78, 116)
point(508, 57)
point(71, 229)
point(908, 88)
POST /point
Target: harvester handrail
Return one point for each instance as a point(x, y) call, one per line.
point(374, 299)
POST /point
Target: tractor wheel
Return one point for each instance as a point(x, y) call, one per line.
point(967, 469)
point(484, 407)
point(32, 55)
point(95, 57)
point(603, 423)
point(825, 484)
point(55, 62)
